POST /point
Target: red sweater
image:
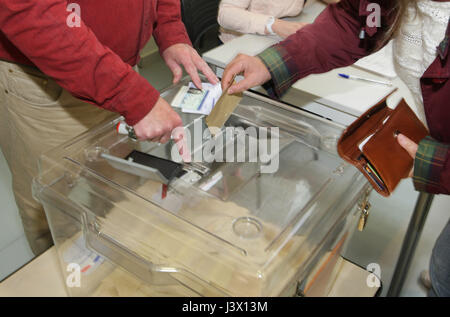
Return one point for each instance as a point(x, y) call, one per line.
point(92, 61)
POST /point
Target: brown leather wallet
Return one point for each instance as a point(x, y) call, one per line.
point(370, 144)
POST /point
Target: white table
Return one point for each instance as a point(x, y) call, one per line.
point(326, 94)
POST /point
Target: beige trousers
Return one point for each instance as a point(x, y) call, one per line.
point(36, 115)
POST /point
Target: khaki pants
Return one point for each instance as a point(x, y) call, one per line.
point(36, 115)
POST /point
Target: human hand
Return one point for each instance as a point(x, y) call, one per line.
point(254, 71)
point(410, 147)
point(158, 124)
point(286, 28)
point(184, 55)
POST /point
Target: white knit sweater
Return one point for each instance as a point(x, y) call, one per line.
point(415, 45)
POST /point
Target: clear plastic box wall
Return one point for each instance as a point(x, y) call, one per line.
point(234, 232)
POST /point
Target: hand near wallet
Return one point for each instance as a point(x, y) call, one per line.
point(382, 144)
point(410, 147)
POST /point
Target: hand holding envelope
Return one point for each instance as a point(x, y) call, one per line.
point(211, 101)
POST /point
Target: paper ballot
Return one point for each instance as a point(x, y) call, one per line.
point(193, 100)
point(223, 110)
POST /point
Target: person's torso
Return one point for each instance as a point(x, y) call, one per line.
point(415, 55)
point(277, 8)
point(124, 26)
point(119, 24)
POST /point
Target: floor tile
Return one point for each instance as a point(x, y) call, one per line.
point(437, 218)
point(10, 222)
point(14, 256)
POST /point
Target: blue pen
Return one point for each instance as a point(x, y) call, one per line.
point(365, 79)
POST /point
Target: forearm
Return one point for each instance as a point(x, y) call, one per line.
point(75, 58)
point(432, 167)
point(236, 17)
point(169, 29)
point(330, 42)
point(330, 1)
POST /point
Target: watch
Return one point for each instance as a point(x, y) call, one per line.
point(269, 25)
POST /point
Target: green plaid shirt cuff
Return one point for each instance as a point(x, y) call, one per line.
point(281, 67)
point(428, 165)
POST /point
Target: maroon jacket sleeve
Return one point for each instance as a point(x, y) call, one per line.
point(75, 58)
point(331, 41)
point(445, 177)
point(432, 167)
point(169, 28)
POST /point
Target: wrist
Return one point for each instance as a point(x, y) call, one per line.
point(269, 26)
point(277, 26)
point(429, 164)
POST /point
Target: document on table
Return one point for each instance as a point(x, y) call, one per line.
point(193, 100)
point(380, 63)
point(349, 96)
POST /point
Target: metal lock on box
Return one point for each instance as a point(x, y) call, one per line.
point(364, 209)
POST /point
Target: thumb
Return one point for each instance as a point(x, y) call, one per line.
point(236, 88)
point(408, 145)
point(240, 86)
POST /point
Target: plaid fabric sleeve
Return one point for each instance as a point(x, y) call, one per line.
point(282, 68)
point(429, 164)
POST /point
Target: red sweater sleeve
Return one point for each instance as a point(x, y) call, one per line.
point(169, 28)
point(75, 58)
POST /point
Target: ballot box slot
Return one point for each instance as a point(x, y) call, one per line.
point(168, 169)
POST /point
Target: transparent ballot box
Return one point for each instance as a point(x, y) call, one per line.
point(263, 207)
